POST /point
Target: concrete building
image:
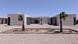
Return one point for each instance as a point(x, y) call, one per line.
point(3, 20)
point(68, 21)
point(37, 20)
point(17, 19)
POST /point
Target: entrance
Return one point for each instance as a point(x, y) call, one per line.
point(74, 21)
point(2, 21)
point(8, 20)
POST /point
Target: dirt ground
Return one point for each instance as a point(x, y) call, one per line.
point(38, 39)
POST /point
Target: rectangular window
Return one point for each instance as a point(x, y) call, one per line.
point(20, 18)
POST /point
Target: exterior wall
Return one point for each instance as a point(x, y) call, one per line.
point(69, 21)
point(14, 19)
point(33, 21)
point(45, 20)
point(53, 21)
point(42, 20)
point(25, 20)
point(3, 20)
point(0, 21)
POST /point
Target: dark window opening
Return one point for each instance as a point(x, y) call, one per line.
point(5, 21)
point(53, 21)
point(33, 20)
point(36, 21)
point(20, 18)
point(8, 21)
point(28, 20)
point(74, 21)
point(2, 21)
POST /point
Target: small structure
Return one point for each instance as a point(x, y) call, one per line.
point(37, 20)
point(3, 20)
point(68, 21)
point(17, 19)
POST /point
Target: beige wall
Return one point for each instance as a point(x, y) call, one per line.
point(14, 19)
point(45, 20)
point(0, 21)
point(69, 21)
point(3, 20)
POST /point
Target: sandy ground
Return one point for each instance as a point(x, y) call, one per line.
point(38, 39)
point(5, 27)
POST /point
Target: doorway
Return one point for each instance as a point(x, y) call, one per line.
point(8, 20)
point(2, 21)
point(74, 21)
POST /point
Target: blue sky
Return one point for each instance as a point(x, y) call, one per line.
point(38, 7)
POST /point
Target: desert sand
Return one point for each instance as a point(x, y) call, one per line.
point(38, 39)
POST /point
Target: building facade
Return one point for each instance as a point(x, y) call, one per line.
point(68, 21)
point(15, 19)
point(3, 20)
point(18, 18)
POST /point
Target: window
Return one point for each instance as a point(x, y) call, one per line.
point(2, 21)
point(20, 18)
point(36, 21)
point(6, 21)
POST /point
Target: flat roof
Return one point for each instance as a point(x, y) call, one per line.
point(3, 17)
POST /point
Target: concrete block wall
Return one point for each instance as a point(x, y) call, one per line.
point(45, 20)
point(69, 21)
point(14, 19)
point(3, 20)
